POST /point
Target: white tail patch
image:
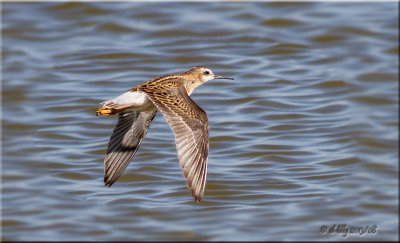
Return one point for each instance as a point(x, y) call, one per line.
point(137, 100)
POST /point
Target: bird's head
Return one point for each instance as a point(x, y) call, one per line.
point(204, 74)
point(197, 76)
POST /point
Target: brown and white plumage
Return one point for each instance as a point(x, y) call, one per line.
point(190, 125)
point(137, 108)
point(127, 136)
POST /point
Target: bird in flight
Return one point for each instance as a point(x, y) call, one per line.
point(136, 109)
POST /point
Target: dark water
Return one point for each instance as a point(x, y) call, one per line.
point(305, 136)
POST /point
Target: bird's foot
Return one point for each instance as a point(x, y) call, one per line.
point(104, 111)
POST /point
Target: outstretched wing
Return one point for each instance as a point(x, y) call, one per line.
point(190, 125)
point(124, 142)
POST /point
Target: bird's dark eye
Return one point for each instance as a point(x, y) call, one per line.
point(206, 72)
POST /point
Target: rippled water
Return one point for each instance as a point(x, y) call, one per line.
point(305, 136)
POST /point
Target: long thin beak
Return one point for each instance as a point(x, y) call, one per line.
point(220, 77)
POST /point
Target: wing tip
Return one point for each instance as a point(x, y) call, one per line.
point(107, 181)
point(197, 199)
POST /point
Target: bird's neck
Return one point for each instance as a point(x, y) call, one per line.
point(191, 84)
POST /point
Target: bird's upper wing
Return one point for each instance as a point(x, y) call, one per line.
point(190, 125)
point(124, 142)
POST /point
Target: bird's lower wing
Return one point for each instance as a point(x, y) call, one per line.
point(124, 142)
point(190, 125)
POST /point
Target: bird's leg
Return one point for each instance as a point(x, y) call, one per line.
point(105, 111)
